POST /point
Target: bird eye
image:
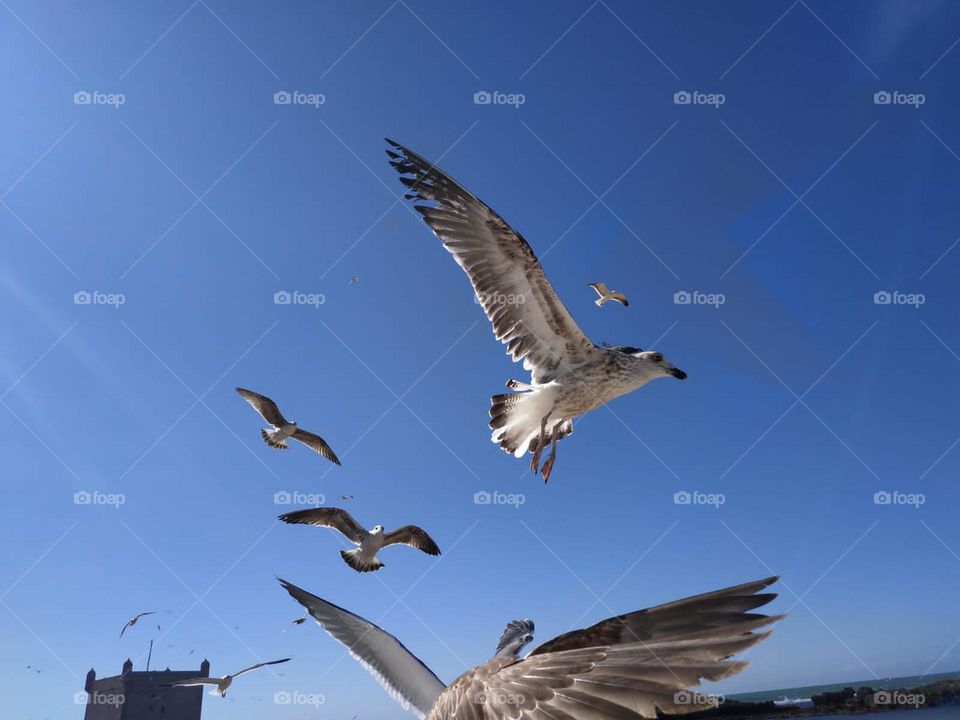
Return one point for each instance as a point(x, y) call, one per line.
point(656, 357)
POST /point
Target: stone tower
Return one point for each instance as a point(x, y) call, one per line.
point(144, 695)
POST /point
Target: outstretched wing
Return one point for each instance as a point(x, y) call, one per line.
point(317, 444)
point(260, 665)
point(335, 518)
point(700, 613)
point(600, 287)
point(265, 406)
point(414, 537)
point(193, 682)
point(407, 679)
point(521, 304)
point(618, 680)
point(620, 298)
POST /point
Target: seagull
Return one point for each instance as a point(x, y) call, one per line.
point(606, 294)
point(363, 558)
point(622, 668)
point(298, 621)
point(346, 497)
point(222, 683)
point(133, 621)
point(570, 375)
point(355, 280)
point(282, 429)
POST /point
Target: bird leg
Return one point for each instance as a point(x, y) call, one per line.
point(548, 465)
point(535, 462)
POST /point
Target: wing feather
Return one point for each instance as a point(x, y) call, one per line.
point(317, 444)
point(691, 616)
point(334, 518)
point(265, 406)
point(405, 677)
point(413, 536)
point(260, 665)
point(608, 672)
point(509, 282)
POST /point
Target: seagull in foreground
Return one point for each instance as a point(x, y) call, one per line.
point(133, 621)
point(222, 683)
point(282, 429)
point(363, 558)
point(570, 375)
point(606, 294)
point(622, 668)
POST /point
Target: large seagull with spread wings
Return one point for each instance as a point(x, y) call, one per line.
point(623, 668)
point(570, 375)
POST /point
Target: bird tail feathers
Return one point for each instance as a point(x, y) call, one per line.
point(270, 438)
point(354, 559)
point(515, 420)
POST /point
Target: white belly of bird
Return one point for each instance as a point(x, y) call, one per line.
point(284, 432)
point(371, 544)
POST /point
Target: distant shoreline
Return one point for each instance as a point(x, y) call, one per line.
point(848, 701)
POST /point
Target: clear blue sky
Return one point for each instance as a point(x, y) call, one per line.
point(396, 371)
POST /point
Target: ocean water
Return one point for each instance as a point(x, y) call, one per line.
point(800, 693)
point(940, 713)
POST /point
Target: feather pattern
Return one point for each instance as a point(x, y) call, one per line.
point(521, 304)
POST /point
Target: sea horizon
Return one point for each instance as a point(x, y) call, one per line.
point(799, 694)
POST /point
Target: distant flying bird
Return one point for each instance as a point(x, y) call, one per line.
point(364, 557)
point(569, 374)
point(354, 280)
point(298, 621)
point(625, 667)
point(282, 429)
point(222, 683)
point(606, 294)
point(346, 497)
point(133, 621)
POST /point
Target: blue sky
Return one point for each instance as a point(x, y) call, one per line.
point(198, 198)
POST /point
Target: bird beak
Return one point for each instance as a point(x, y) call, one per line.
point(678, 374)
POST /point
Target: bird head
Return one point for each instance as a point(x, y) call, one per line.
point(377, 529)
point(515, 636)
point(660, 364)
point(655, 363)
